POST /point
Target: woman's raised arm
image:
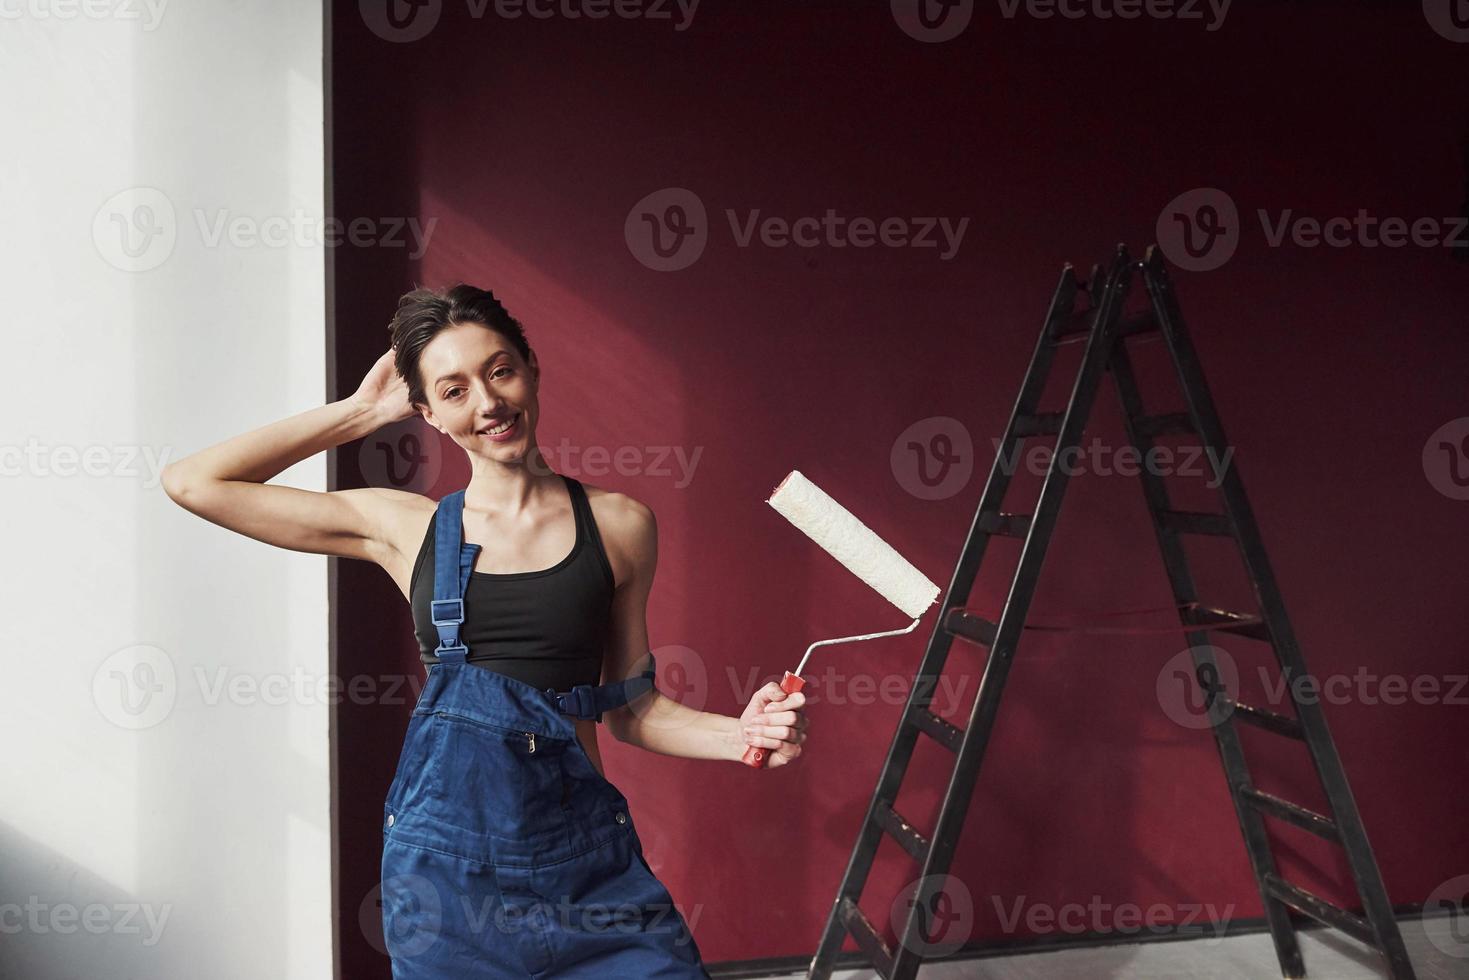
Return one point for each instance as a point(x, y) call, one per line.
point(225, 484)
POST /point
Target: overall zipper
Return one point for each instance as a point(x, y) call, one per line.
point(531, 742)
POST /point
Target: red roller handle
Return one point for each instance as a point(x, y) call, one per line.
point(756, 755)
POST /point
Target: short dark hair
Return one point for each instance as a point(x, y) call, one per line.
point(424, 312)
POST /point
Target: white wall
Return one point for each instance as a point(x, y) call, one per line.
point(147, 827)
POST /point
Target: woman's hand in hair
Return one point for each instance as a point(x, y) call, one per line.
point(384, 393)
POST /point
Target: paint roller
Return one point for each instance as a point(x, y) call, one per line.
point(867, 556)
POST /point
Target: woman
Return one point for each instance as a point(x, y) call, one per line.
point(506, 853)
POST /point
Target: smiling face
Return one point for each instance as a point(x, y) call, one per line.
point(476, 382)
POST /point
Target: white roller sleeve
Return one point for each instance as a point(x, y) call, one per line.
point(853, 544)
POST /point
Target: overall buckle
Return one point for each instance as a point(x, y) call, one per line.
point(577, 702)
point(456, 605)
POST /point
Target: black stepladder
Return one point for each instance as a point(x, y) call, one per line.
point(1103, 325)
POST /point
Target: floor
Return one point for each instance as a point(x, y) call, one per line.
point(1437, 952)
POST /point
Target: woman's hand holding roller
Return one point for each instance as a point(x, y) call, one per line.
point(773, 721)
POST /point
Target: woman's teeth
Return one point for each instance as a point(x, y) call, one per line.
point(501, 428)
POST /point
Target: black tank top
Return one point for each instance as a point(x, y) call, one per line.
point(547, 628)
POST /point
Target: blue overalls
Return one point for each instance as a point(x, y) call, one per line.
point(505, 853)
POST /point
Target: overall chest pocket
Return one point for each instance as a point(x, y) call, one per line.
point(498, 782)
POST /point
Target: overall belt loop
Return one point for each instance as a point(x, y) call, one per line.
point(453, 563)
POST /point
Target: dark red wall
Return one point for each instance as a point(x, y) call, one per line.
point(529, 142)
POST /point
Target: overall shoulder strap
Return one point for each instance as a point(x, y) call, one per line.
point(589, 701)
point(453, 562)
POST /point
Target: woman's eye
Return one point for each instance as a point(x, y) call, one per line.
point(452, 393)
point(506, 370)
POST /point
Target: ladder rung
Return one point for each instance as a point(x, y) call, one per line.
point(963, 623)
point(1320, 910)
point(942, 732)
point(1292, 813)
point(902, 831)
point(1226, 622)
point(1162, 425)
point(1005, 525)
point(1268, 720)
point(1039, 424)
point(871, 944)
point(1188, 522)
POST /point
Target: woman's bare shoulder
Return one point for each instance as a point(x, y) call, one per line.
point(625, 525)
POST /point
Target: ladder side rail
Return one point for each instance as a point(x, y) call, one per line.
point(960, 789)
point(1226, 738)
point(1312, 719)
point(900, 750)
